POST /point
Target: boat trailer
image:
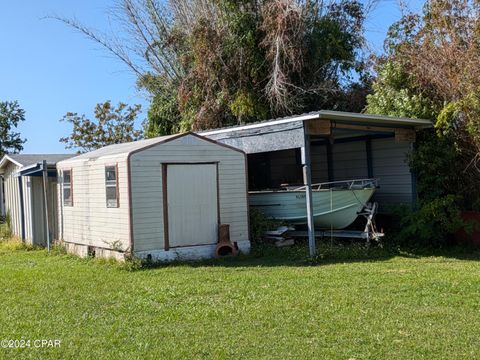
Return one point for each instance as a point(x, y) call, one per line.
point(369, 233)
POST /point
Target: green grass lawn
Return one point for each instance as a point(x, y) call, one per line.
point(277, 306)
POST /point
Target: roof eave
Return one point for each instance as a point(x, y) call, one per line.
point(8, 158)
point(35, 168)
point(310, 116)
point(385, 120)
point(417, 124)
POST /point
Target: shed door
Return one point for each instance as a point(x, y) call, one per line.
point(192, 204)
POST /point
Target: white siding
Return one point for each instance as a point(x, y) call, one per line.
point(12, 202)
point(390, 166)
point(89, 221)
point(12, 199)
point(2, 198)
point(147, 196)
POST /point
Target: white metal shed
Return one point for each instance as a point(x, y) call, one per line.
point(161, 198)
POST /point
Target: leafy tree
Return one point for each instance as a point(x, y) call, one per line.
point(431, 71)
point(210, 63)
point(164, 117)
point(440, 49)
point(396, 94)
point(434, 161)
point(11, 114)
point(112, 125)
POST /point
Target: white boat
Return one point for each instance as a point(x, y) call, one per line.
point(335, 204)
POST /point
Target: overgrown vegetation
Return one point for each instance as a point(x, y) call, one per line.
point(259, 224)
point(430, 71)
point(5, 232)
point(5, 227)
point(210, 63)
point(431, 225)
point(14, 244)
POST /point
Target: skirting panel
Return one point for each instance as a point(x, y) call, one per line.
point(85, 250)
point(186, 253)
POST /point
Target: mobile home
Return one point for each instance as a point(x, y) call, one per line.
point(25, 198)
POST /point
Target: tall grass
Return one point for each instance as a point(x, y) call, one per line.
point(5, 227)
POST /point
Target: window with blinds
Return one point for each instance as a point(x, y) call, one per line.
point(111, 185)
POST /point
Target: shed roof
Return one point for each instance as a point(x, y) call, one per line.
point(345, 117)
point(123, 148)
point(288, 133)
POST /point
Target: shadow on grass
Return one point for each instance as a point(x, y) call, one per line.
point(328, 253)
point(267, 255)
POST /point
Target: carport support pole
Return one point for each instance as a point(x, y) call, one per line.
point(307, 181)
point(45, 197)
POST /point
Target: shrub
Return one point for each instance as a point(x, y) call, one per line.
point(431, 225)
point(259, 223)
point(58, 249)
point(434, 162)
point(132, 263)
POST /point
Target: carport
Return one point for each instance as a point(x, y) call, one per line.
point(325, 146)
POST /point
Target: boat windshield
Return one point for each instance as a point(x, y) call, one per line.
point(353, 184)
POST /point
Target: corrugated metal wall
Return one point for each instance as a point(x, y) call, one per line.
point(12, 199)
point(33, 206)
point(12, 202)
point(2, 198)
point(30, 214)
point(390, 166)
point(349, 160)
point(319, 164)
point(37, 206)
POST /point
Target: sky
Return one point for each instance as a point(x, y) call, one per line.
point(51, 69)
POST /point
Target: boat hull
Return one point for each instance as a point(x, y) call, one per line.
point(332, 209)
